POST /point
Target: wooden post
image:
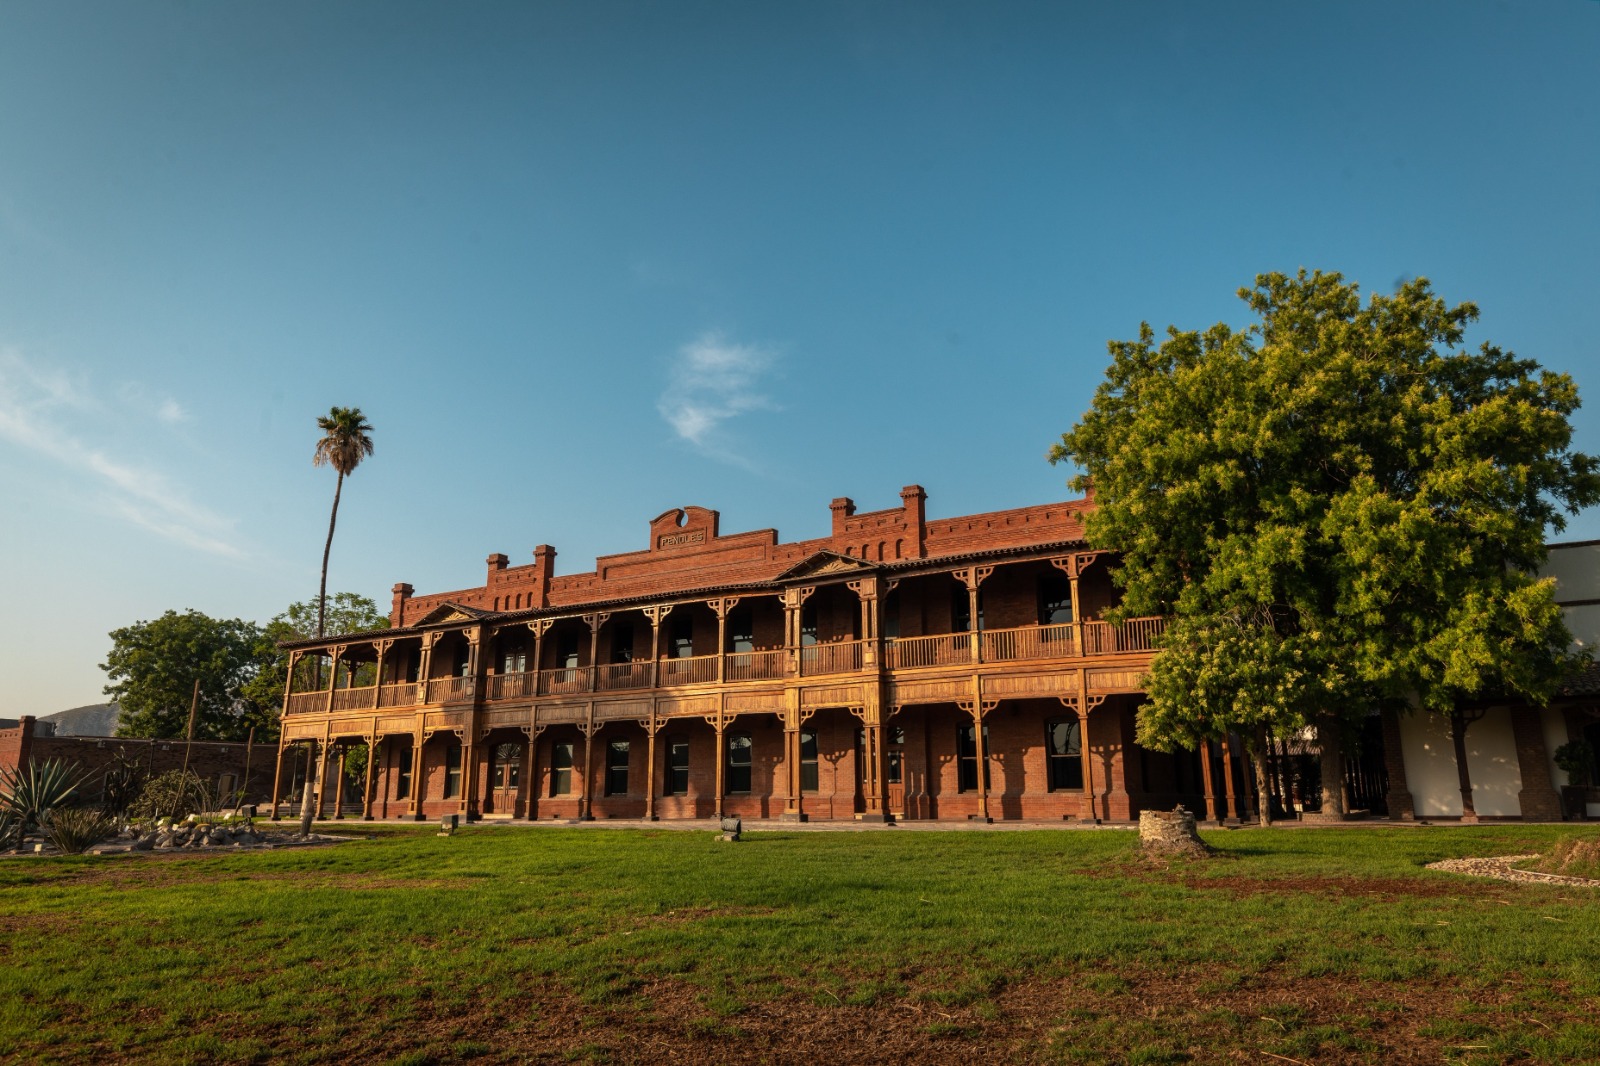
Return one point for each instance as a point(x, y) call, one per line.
point(1230, 802)
point(194, 708)
point(277, 780)
point(587, 729)
point(983, 760)
point(1206, 782)
point(419, 772)
point(338, 791)
point(650, 768)
point(366, 786)
point(722, 757)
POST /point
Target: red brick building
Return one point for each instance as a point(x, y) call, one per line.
point(901, 667)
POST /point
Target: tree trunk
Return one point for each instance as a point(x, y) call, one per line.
point(1330, 741)
point(1458, 736)
point(1263, 787)
point(322, 588)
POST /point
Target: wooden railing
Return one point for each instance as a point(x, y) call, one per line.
point(1136, 634)
point(1027, 642)
point(841, 658)
point(513, 685)
point(354, 699)
point(945, 649)
point(754, 665)
point(449, 689)
point(901, 653)
point(403, 694)
point(563, 681)
point(308, 702)
point(623, 675)
point(695, 670)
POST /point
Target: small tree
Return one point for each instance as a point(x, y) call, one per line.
point(1335, 507)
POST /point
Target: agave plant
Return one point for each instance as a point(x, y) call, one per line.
point(10, 830)
point(29, 793)
point(74, 830)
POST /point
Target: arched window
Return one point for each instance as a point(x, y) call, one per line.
point(1063, 745)
point(737, 777)
point(506, 765)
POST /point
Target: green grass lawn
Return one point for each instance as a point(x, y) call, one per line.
point(507, 944)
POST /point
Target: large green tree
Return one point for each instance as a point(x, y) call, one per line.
point(1337, 506)
point(153, 666)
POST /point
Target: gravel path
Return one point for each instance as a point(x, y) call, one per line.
point(1501, 869)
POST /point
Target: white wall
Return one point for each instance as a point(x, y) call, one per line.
point(1431, 765)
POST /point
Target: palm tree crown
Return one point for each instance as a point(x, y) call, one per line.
point(346, 439)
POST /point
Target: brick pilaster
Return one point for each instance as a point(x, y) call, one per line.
point(1538, 798)
point(1401, 806)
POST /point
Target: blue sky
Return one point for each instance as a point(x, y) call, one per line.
point(580, 263)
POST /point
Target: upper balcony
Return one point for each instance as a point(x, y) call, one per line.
point(1023, 644)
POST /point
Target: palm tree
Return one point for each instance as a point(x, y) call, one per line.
point(346, 440)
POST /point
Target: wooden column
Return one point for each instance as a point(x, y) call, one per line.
point(595, 621)
point(1073, 566)
point(471, 780)
point(338, 791)
point(976, 709)
point(333, 679)
point(794, 601)
point(366, 787)
point(650, 729)
point(1206, 782)
point(526, 793)
point(419, 772)
point(587, 729)
point(722, 758)
point(310, 785)
point(972, 577)
point(539, 627)
point(1230, 802)
point(656, 615)
point(722, 607)
point(382, 647)
point(277, 779)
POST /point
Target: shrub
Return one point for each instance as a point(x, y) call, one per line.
point(30, 793)
point(173, 794)
point(1576, 757)
point(73, 830)
point(123, 781)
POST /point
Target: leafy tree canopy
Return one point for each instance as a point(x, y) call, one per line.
point(1335, 506)
point(347, 613)
point(153, 666)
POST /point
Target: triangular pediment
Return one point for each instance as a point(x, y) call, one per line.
point(447, 613)
point(823, 564)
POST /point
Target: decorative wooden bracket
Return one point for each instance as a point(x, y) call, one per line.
point(1071, 702)
point(796, 597)
point(540, 626)
point(657, 613)
point(595, 621)
point(1075, 564)
point(532, 731)
point(723, 605)
point(972, 576)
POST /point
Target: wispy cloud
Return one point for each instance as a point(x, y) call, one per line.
point(34, 404)
point(712, 381)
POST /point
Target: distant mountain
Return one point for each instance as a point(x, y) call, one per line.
point(93, 720)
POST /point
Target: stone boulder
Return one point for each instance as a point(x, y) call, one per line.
point(1167, 833)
